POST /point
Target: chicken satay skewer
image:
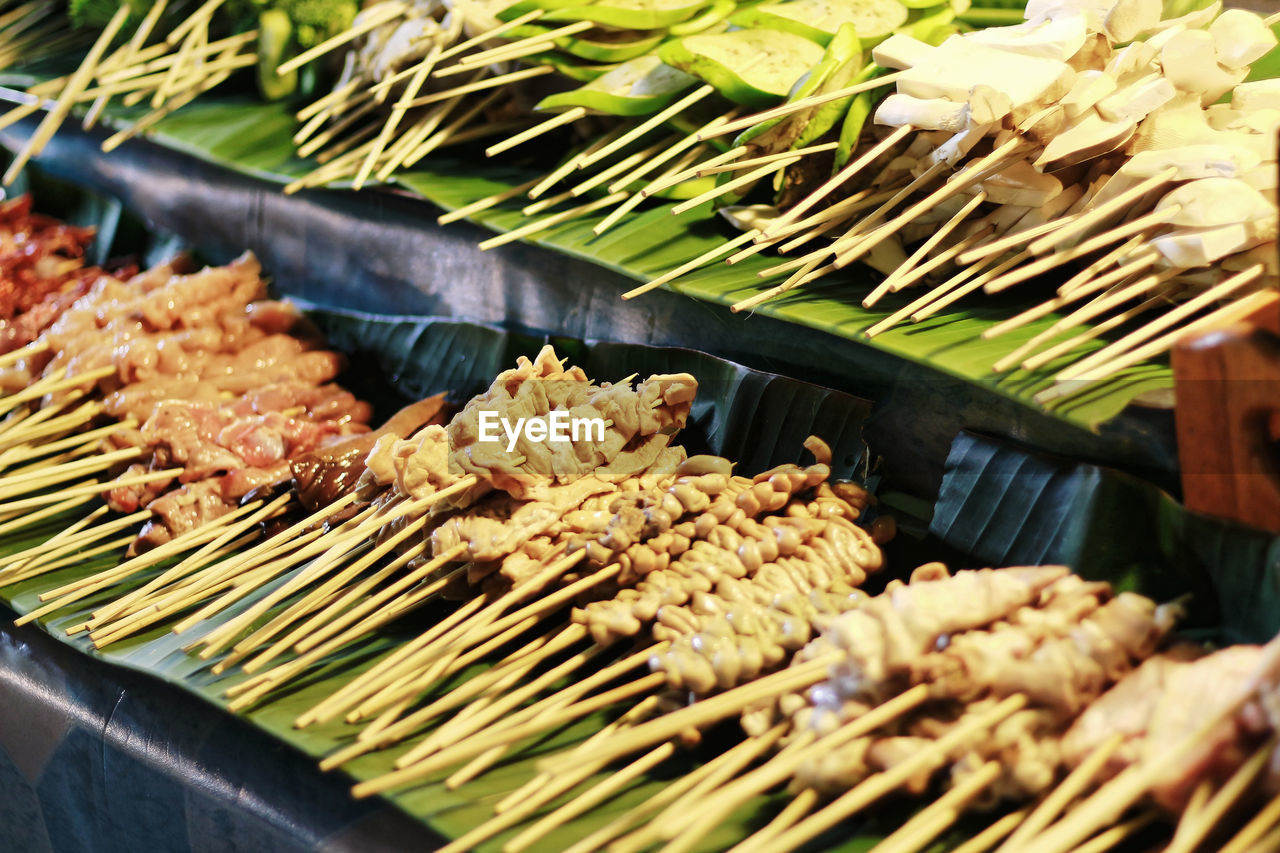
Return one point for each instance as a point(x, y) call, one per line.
point(1199, 823)
point(936, 818)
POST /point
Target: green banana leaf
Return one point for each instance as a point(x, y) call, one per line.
point(253, 138)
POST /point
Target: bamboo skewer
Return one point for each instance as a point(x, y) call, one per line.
point(516, 49)
point(1041, 359)
point(684, 145)
point(566, 117)
point(77, 537)
point(801, 104)
point(924, 827)
point(397, 115)
point(1248, 839)
point(1093, 216)
point(1075, 784)
point(1218, 292)
point(570, 163)
point(657, 186)
point(689, 266)
point(765, 159)
point(729, 186)
point(890, 284)
point(1012, 240)
point(373, 18)
point(88, 488)
point(647, 125)
point(506, 26)
point(482, 84)
point(634, 200)
point(67, 99)
point(991, 836)
point(550, 221)
point(68, 533)
point(485, 203)
point(876, 786)
point(1192, 832)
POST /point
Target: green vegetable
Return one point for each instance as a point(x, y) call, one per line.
point(933, 29)
point(820, 19)
point(317, 20)
point(96, 13)
point(599, 45)
point(714, 14)
point(851, 130)
point(639, 87)
point(841, 63)
point(756, 67)
point(620, 14)
point(275, 45)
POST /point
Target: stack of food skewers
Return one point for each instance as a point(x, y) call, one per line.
point(592, 561)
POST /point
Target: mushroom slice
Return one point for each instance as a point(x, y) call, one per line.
point(1090, 137)
point(1257, 95)
point(1220, 160)
point(1190, 61)
point(1090, 88)
point(1020, 184)
point(1200, 247)
point(1137, 100)
point(923, 113)
point(958, 65)
point(1241, 38)
point(1213, 202)
point(1058, 35)
point(1129, 19)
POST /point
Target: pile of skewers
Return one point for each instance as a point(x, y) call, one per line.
point(282, 531)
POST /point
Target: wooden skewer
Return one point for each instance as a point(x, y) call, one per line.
point(412, 143)
point(30, 518)
point(1127, 249)
point(631, 203)
point(516, 49)
point(196, 18)
point(990, 837)
point(729, 186)
point(955, 293)
point(77, 537)
point(876, 786)
point(1129, 229)
point(335, 100)
point(550, 221)
point(67, 534)
point(924, 827)
point(1010, 241)
point(802, 104)
point(1093, 216)
point(123, 57)
point(660, 184)
point(836, 181)
point(23, 482)
point(689, 142)
point(693, 785)
point(71, 92)
point(570, 163)
point(463, 46)
point(647, 125)
point(1191, 833)
point(1214, 294)
point(1255, 829)
point(617, 169)
point(805, 274)
point(812, 227)
point(485, 203)
point(80, 557)
point(196, 38)
point(566, 117)
point(1077, 781)
point(374, 17)
point(1108, 803)
point(485, 83)
point(935, 239)
point(689, 266)
point(397, 115)
point(1041, 359)
point(88, 488)
point(763, 160)
point(1272, 20)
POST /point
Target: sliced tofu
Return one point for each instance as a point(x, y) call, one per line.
point(1200, 247)
point(1137, 58)
point(901, 51)
point(987, 105)
point(1059, 35)
point(1021, 184)
point(1137, 100)
point(1257, 95)
point(1091, 136)
point(1129, 19)
point(959, 64)
point(1213, 202)
point(1090, 88)
point(1241, 38)
point(1190, 61)
point(924, 113)
point(958, 147)
point(1180, 122)
point(1094, 11)
point(1193, 162)
point(1263, 178)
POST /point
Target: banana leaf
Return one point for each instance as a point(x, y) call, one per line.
point(252, 138)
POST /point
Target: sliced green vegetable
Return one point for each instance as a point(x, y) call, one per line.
point(840, 64)
point(820, 19)
point(718, 11)
point(754, 67)
point(639, 87)
point(602, 45)
point(275, 45)
point(933, 29)
point(631, 14)
point(568, 67)
point(855, 118)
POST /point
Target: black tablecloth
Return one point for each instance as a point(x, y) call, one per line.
point(97, 759)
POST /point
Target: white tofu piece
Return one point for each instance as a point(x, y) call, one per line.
point(1058, 35)
point(1020, 184)
point(1223, 117)
point(1129, 19)
point(1090, 88)
point(1257, 95)
point(901, 51)
point(1137, 100)
point(958, 147)
point(1263, 178)
point(886, 256)
point(1213, 202)
point(1201, 247)
point(1190, 61)
point(1053, 209)
point(1192, 20)
point(1241, 38)
point(927, 114)
point(1094, 11)
point(1180, 122)
point(987, 106)
point(1137, 58)
point(1193, 162)
point(1092, 136)
point(959, 64)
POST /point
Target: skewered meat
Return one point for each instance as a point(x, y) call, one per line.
point(39, 256)
point(322, 475)
point(1170, 698)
